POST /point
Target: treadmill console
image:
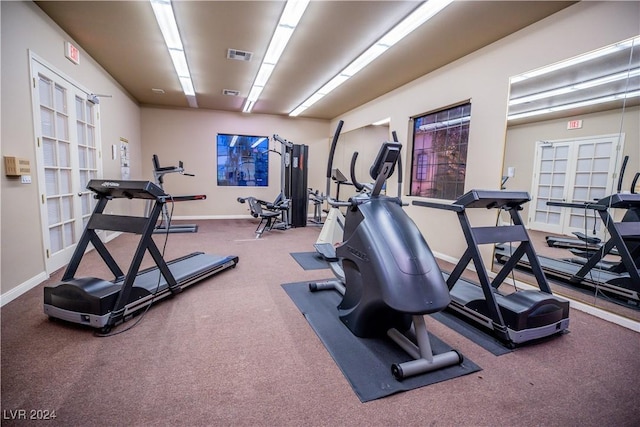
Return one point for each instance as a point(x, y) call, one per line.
point(126, 189)
point(491, 199)
point(621, 200)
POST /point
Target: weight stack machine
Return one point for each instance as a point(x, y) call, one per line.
point(296, 186)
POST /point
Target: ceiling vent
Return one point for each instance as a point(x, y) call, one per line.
point(230, 92)
point(240, 55)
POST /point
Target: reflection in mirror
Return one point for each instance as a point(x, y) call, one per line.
point(366, 141)
point(573, 143)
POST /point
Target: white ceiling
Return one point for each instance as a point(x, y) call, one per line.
point(123, 37)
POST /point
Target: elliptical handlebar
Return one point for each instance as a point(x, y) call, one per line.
point(352, 171)
point(332, 151)
point(399, 163)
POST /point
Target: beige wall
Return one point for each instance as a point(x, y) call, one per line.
point(25, 28)
point(483, 77)
point(190, 136)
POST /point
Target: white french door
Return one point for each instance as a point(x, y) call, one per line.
point(573, 171)
point(67, 156)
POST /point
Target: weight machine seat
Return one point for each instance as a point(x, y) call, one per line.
point(256, 209)
point(260, 209)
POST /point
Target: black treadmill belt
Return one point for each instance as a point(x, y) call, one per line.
point(564, 269)
point(184, 270)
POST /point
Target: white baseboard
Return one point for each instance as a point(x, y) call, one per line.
point(204, 217)
point(14, 293)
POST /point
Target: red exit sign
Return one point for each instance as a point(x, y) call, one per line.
point(72, 53)
point(574, 124)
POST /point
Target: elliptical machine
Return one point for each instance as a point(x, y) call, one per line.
point(391, 277)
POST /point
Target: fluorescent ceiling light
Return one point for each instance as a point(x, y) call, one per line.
point(233, 141)
point(445, 123)
point(293, 11)
point(179, 62)
point(577, 60)
point(167, 22)
point(258, 142)
point(418, 17)
point(586, 103)
point(576, 87)
point(163, 11)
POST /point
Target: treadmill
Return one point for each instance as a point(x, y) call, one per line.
point(165, 225)
point(103, 304)
point(514, 318)
point(621, 281)
point(583, 242)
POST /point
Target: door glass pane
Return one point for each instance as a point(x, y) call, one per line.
point(554, 218)
point(582, 179)
point(82, 157)
point(562, 152)
point(80, 109)
point(61, 99)
point(603, 150)
point(558, 179)
point(51, 180)
point(80, 132)
point(53, 209)
point(67, 208)
point(583, 165)
point(46, 118)
point(585, 150)
point(557, 192)
point(64, 154)
point(91, 158)
point(90, 113)
point(61, 127)
point(546, 153)
point(597, 193)
point(69, 235)
point(44, 89)
point(86, 204)
point(55, 238)
point(84, 179)
point(49, 152)
point(580, 194)
point(65, 181)
point(601, 165)
point(91, 139)
point(560, 166)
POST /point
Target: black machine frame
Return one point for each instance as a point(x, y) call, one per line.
point(622, 283)
point(165, 225)
point(507, 315)
point(103, 304)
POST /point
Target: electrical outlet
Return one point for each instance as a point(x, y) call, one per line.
point(25, 179)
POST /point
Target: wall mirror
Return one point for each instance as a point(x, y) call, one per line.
point(360, 140)
point(570, 128)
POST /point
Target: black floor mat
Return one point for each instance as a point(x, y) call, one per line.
point(366, 363)
point(479, 337)
point(310, 260)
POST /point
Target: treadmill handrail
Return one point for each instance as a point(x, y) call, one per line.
point(449, 207)
point(586, 205)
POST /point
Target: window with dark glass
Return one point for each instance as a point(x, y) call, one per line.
point(439, 158)
point(243, 160)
